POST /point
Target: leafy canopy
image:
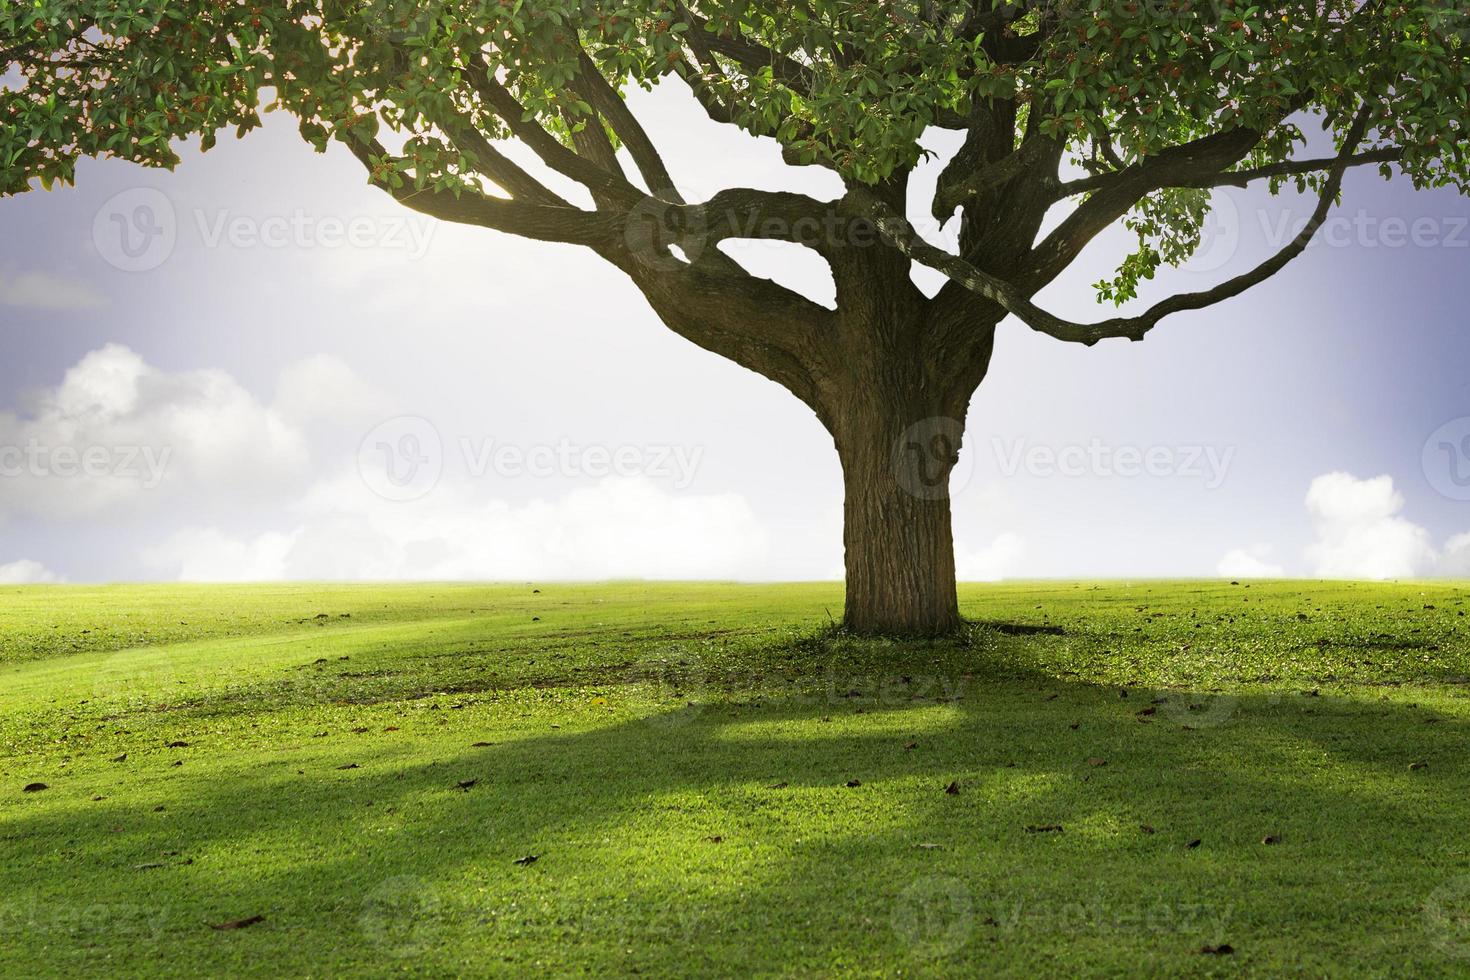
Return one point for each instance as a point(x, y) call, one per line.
point(1156, 101)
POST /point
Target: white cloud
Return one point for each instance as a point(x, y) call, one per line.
point(27, 572)
point(119, 433)
point(1455, 562)
point(991, 563)
point(1249, 563)
point(617, 528)
point(323, 388)
point(48, 291)
point(1360, 533)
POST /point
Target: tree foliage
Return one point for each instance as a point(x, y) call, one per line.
point(1152, 102)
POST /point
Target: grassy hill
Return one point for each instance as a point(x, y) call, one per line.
point(1104, 779)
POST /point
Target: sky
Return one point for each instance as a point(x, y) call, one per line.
point(258, 368)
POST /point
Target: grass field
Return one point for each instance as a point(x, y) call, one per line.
point(1101, 779)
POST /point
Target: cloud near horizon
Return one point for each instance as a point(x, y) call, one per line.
point(1359, 533)
point(617, 528)
point(118, 435)
point(27, 572)
point(1249, 563)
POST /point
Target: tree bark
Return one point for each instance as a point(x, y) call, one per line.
point(897, 454)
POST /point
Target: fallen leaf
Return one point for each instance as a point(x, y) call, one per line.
point(158, 809)
point(1095, 762)
point(528, 859)
point(953, 789)
point(481, 745)
point(1193, 844)
point(1224, 949)
point(1145, 828)
point(238, 923)
point(1051, 828)
point(391, 728)
point(121, 758)
point(777, 786)
point(34, 787)
point(1075, 725)
point(1145, 712)
point(149, 866)
point(358, 731)
point(911, 746)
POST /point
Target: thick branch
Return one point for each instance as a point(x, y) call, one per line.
point(495, 96)
point(902, 235)
point(958, 187)
point(1208, 155)
point(757, 323)
point(607, 101)
point(751, 56)
point(540, 222)
point(1241, 178)
point(494, 165)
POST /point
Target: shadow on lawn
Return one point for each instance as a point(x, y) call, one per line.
point(394, 861)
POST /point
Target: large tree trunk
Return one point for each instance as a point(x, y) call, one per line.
point(897, 453)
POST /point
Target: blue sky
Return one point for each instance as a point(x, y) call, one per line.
point(300, 322)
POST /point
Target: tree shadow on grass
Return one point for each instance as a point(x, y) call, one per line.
point(723, 835)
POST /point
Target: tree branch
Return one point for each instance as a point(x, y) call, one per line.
point(902, 235)
point(607, 101)
point(752, 56)
point(1207, 155)
point(551, 150)
point(568, 225)
point(493, 164)
point(1241, 178)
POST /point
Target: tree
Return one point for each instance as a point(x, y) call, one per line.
point(1119, 110)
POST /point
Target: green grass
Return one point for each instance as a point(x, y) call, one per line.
point(678, 758)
